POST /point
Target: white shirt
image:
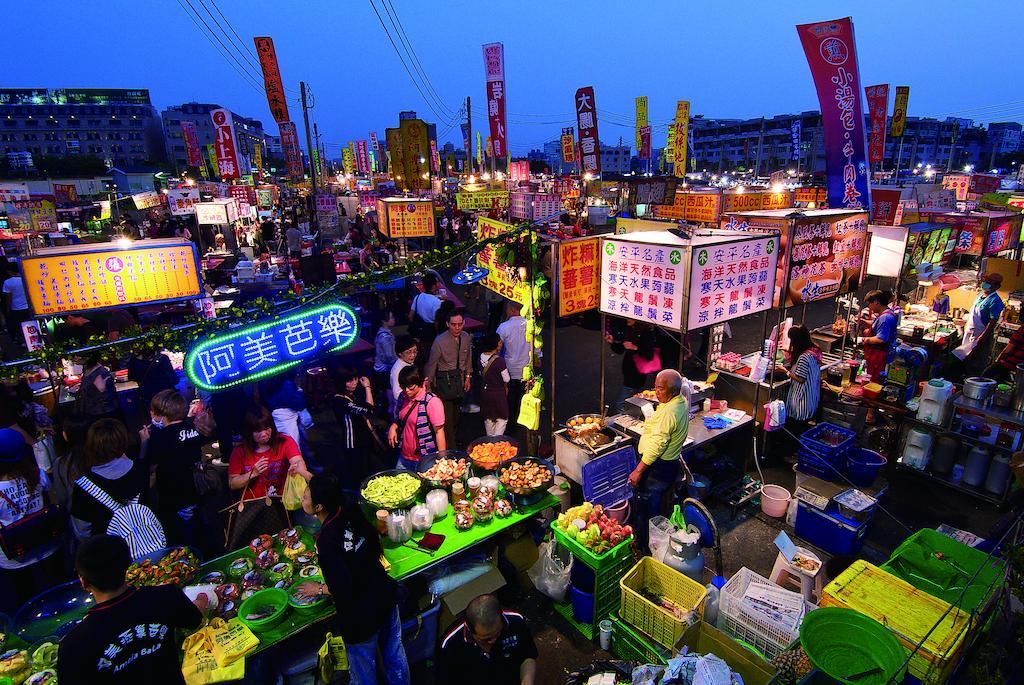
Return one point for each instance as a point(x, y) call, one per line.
point(25, 503)
point(426, 305)
point(516, 348)
point(14, 287)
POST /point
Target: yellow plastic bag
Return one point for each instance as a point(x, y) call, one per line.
point(215, 653)
point(529, 412)
point(294, 487)
point(332, 657)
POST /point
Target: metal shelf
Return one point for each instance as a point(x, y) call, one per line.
point(993, 412)
point(979, 493)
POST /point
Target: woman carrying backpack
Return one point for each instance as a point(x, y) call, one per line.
point(29, 525)
point(108, 472)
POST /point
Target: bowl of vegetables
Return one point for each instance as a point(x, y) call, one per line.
point(490, 452)
point(305, 605)
point(264, 609)
point(393, 489)
point(172, 566)
point(526, 476)
point(441, 469)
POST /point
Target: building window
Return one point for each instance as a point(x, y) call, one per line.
point(94, 123)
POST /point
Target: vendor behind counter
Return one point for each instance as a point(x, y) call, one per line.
point(879, 340)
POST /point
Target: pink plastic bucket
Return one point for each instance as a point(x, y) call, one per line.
point(620, 512)
point(774, 500)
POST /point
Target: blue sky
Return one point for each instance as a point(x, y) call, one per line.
point(730, 59)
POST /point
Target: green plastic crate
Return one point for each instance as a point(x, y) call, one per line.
point(915, 562)
point(630, 645)
point(607, 594)
point(565, 611)
point(591, 560)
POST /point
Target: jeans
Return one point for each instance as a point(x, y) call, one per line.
point(620, 400)
point(494, 427)
point(656, 481)
point(407, 464)
point(362, 656)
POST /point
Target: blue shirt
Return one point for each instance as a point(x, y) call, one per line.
point(884, 326)
point(990, 306)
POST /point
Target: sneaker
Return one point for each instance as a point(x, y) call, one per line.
point(470, 408)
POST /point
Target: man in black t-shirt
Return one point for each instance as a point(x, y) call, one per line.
point(490, 646)
point(129, 635)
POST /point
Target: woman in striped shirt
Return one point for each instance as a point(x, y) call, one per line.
point(804, 380)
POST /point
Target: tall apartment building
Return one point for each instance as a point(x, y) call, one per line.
point(117, 125)
point(248, 132)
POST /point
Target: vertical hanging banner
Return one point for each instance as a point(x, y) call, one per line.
point(276, 99)
point(393, 137)
point(568, 146)
point(878, 103)
point(224, 144)
point(348, 162)
point(795, 133)
point(832, 56)
point(899, 111)
point(290, 147)
point(211, 156)
point(680, 139)
point(586, 121)
point(375, 148)
point(188, 134)
point(362, 157)
point(494, 70)
point(645, 143)
point(434, 159)
point(668, 153)
point(479, 150)
point(641, 121)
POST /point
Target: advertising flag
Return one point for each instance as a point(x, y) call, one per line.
point(494, 70)
point(641, 121)
point(832, 56)
point(434, 159)
point(290, 147)
point(363, 157)
point(272, 78)
point(681, 136)
point(899, 111)
point(257, 156)
point(568, 146)
point(586, 120)
point(479, 150)
point(375, 148)
point(211, 155)
point(644, 152)
point(795, 132)
point(878, 103)
point(224, 144)
point(191, 139)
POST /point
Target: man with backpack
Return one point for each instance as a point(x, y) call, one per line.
point(419, 428)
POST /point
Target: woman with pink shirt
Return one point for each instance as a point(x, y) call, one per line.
point(418, 430)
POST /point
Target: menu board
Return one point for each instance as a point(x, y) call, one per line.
point(63, 282)
point(643, 281)
point(579, 276)
point(826, 256)
point(482, 201)
point(407, 218)
point(729, 280)
point(500, 278)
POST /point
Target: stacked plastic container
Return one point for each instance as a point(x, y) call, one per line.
point(823, 450)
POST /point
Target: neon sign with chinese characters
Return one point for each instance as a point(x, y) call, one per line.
point(270, 347)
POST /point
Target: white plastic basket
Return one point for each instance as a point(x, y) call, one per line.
point(760, 632)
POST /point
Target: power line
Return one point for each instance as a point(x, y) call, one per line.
point(404, 39)
point(256, 78)
point(245, 77)
point(247, 51)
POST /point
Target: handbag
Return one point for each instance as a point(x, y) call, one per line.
point(646, 366)
point(249, 518)
point(207, 479)
point(31, 531)
point(450, 385)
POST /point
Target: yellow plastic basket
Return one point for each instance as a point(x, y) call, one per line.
point(651, 577)
point(906, 611)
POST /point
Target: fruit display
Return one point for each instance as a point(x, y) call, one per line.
point(213, 578)
point(267, 558)
point(239, 567)
point(280, 571)
point(15, 664)
point(483, 508)
point(489, 455)
point(446, 470)
point(305, 559)
point(227, 592)
point(253, 580)
point(309, 571)
point(792, 665)
point(261, 543)
point(227, 610)
point(588, 525)
point(521, 477)
point(45, 677)
point(503, 508)
point(391, 490)
point(175, 568)
point(287, 536)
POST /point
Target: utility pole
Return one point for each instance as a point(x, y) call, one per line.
point(312, 167)
point(319, 152)
point(469, 137)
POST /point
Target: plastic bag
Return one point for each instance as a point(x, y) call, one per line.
point(332, 657)
point(660, 529)
point(549, 574)
point(529, 413)
point(775, 413)
point(215, 654)
point(294, 487)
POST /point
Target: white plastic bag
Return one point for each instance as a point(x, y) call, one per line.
point(775, 412)
point(549, 574)
point(660, 529)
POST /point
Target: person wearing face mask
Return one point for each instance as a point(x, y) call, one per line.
point(981, 320)
point(879, 342)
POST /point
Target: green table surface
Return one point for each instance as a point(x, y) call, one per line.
point(406, 561)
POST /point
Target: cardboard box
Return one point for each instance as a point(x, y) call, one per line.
point(456, 601)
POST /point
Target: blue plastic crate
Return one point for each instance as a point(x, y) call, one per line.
point(606, 478)
point(419, 634)
point(811, 440)
point(815, 466)
point(829, 530)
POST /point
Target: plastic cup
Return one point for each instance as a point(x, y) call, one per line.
point(605, 628)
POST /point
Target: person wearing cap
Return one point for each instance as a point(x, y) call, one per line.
point(24, 491)
point(131, 634)
point(982, 318)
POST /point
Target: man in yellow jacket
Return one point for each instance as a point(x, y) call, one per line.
point(660, 447)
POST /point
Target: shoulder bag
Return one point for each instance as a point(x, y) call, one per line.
point(450, 385)
point(31, 531)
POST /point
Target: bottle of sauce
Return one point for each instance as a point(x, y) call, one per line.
point(382, 521)
point(458, 492)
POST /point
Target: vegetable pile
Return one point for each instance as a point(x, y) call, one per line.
point(523, 476)
point(588, 525)
point(391, 491)
point(176, 568)
point(489, 455)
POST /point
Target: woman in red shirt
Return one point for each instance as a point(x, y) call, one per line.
point(258, 467)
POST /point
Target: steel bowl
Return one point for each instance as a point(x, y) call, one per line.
point(428, 460)
point(404, 504)
point(479, 468)
point(526, 491)
point(979, 388)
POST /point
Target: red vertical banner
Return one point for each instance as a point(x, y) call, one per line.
point(290, 146)
point(878, 104)
point(494, 70)
point(272, 78)
point(434, 159)
point(362, 157)
point(192, 151)
point(586, 120)
point(645, 142)
point(224, 144)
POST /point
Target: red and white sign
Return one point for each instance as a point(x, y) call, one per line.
point(519, 171)
point(224, 144)
point(586, 121)
point(434, 158)
point(362, 157)
point(878, 103)
point(191, 140)
point(645, 142)
point(494, 71)
point(290, 146)
point(246, 194)
point(885, 204)
point(276, 99)
point(183, 201)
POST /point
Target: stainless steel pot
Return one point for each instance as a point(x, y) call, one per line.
point(979, 388)
point(1018, 388)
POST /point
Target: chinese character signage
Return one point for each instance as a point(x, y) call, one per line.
point(191, 140)
point(257, 156)
point(270, 347)
point(885, 203)
point(276, 98)
point(362, 157)
point(729, 280)
point(246, 194)
point(958, 183)
point(681, 127)
point(482, 201)
point(641, 121)
point(221, 212)
point(146, 199)
point(1000, 236)
point(984, 183)
point(435, 159)
point(500, 278)
point(805, 195)
point(211, 156)
point(653, 191)
point(182, 201)
point(519, 171)
point(406, 217)
point(290, 147)
point(878, 103)
point(568, 146)
point(348, 162)
point(643, 281)
point(825, 257)
point(415, 151)
point(934, 200)
point(65, 193)
point(13, 192)
point(224, 144)
point(832, 55)
point(795, 132)
point(644, 151)
point(579, 276)
point(702, 207)
point(494, 71)
point(586, 121)
point(899, 111)
point(327, 203)
point(58, 280)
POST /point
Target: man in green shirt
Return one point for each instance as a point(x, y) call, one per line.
point(660, 447)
